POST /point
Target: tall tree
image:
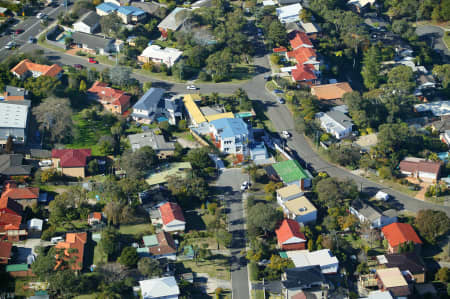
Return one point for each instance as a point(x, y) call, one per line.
point(55, 116)
point(129, 257)
point(371, 67)
point(149, 267)
point(277, 33)
point(111, 24)
point(110, 241)
point(432, 224)
point(138, 163)
point(263, 217)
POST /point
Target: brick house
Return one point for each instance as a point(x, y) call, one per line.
point(114, 100)
point(11, 219)
point(398, 234)
point(73, 248)
point(26, 68)
point(420, 168)
point(26, 197)
point(5, 252)
point(392, 280)
point(289, 235)
point(71, 162)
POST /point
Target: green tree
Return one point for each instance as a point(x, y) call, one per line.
point(442, 72)
point(55, 116)
point(44, 264)
point(371, 67)
point(262, 217)
point(83, 87)
point(333, 192)
point(147, 85)
point(224, 238)
point(129, 257)
point(42, 86)
point(276, 34)
point(138, 163)
point(109, 241)
point(149, 267)
point(443, 274)
point(111, 24)
point(432, 224)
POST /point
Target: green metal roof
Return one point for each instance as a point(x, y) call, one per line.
point(188, 250)
point(290, 171)
point(283, 254)
point(16, 267)
point(150, 240)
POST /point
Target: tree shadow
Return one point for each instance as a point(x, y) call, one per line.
point(194, 221)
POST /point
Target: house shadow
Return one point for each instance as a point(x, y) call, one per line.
point(194, 221)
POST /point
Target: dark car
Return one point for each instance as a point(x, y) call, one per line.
point(281, 100)
point(78, 66)
point(277, 91)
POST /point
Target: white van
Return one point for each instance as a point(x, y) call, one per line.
point(55, 240)
point(45, 163)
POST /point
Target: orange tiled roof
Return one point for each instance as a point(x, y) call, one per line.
point(171, 211)
point(331, 91)
point(73, 241)
point(110, 95)
point(96, 215)
point(22, 193)
point(398, 233)
point(289, 228)
point(27, 65)
point(302, 55)
point(10, 205)
point(9, 221)
point(303, 72)
point(300, 39)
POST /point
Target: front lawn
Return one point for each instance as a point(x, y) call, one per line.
point(216, 266)
point(99, 255)
point(135, 229)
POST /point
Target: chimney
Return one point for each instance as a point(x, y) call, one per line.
point(302, 184)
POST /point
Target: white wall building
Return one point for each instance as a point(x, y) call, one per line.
point(160, 288)
point(231, 135)
point(328, 263)
point(289, 13)
point(155, 53)
point(336, 123)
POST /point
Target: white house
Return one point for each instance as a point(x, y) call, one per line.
point(155, 53)
point(367, 213)
point(300, 209)
point(287, 193)
point(88, 23)
point(336, 123)
point(105, 8)
point(162, 288)
point(231, 135)
point(172, 217)
point(289, 13)
point(328, 263)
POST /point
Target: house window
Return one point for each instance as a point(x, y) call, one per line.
point(238, 148)
point(226, 149)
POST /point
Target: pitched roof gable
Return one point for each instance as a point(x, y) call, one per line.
point(303, 72)
point(166, 245)
point(299, 39)
point(5, 249)
point(171, 211)
point(105, 93)
point(27, 66)
point(73, 241)
point(288, 229)
point(398, 233)
point(71, 157)
point(10, 204)
point(331, 91)
point(420, 165)
point(22, 193)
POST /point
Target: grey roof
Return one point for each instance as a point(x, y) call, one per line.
point(174, 104)
point(149, 7)
point(91, 18)
point(369, 212)
point(442, 125)
point(150, 100)
point(406, 261)
point(12, 165)
point(171, 22)
point(155, 141)
point(303, 277)
point(340, 117)
point(13, 91)
point(14, 114)
point(292, 26)
point(40, 153)
point(92, 41)
point(390, 213)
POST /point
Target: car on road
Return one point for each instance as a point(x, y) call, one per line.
point(92, 60)
point(245, 186)
point(10, 45)
point(39, 15)
point(191, 87)
point(285, 134)
point(78, 66)
point(19, 31)
point(31, 40)
point(267, 78)
point(277, 91)
point(281, 100)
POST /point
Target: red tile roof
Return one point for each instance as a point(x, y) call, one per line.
point(302, 55)
point(422, 166)
point(171, 211)
point(96, 215)
point(331, 91)
point(27, 65)
point(303, 72)
point(73, 241)
point(299, 39)
point(299, 295)
point(110, 95)
point(10, 205)
point(9, 221)
point(279, 49)
point(399, 233)
point(166, 245)
point(22, 193)
point(288, 229)
point(5, 250)
point(71, 157)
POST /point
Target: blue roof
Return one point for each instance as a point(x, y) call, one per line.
point(130, 10)
point(107, 7)
point(150, 100)
point(230, 127)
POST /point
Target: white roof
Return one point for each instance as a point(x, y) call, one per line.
point(361, 3)
point(268, 3)
point(159, 287)
point(289, 13)
point(13, 115)
point(438, 108)
point(380, 295)
point(309, 27)
point(166, 54)
point(35, 223)
point(171, 22)
point(288, 69)
point(304, 258)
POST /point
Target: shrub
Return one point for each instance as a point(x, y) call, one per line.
point(385, 172)
point(254, 271)
point(80, 53)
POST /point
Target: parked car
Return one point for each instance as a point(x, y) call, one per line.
point(55, 240)
point(78, 66)
point(277, 91)
point(10, 45)
point(281, 100)
point(92, 60)
point(245, 186)
point(191, 87)
point(45, 163)
point(39, 15)
point(19, 31)
point(267, 78)
point(31, 40)
point(285, 134)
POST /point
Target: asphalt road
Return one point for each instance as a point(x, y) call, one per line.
point(229, 183)
point(434, 35)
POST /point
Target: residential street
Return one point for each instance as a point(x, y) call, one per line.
point(229, 183)
point(434, 35)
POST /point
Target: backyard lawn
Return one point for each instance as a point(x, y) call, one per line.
point(216, 266)
point(99, 255)
point(134, 229)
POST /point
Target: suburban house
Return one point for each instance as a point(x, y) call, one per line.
point(304, 55)
point(148, 107)
point(5, 252)
point(131, 14)
point(14, 121)
point(409, 262)
point(155, 53)
point(95, 218)
point(19, 270)
point(289, 13)
point(367, 213)
point(359, 6)
point(156, 141)
point(12, 165)
point(311, 29)
point(118, 2)
point(393, 281)
point(71, 162)
point(290, 172)
point(172, 217)
point(425, 81)
point(299, 39)
point(288, 193)
point(26, 68)
point(231, 136)
point(380, 295)
point(304, 73)
point(398, 234)
point(287, 2)
point(106, 8)
point(445, 137)
point(160, 245)
point(10, 220)
point(308, 281)
point(93, 44)
point(13, 93)
point(88, 23)
point(425, 170)
point(73, 249)
point(161, 174)
point(336, 123)
point(114, 100)
point(437, 108)
point(159, 288)
point(173, 22)
point(26, 197)
point(149, 7)
point(300, 209)
point(199, 116)
point(323, 258)
point(289, 236)
point(34, 227)
point(333, 91)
